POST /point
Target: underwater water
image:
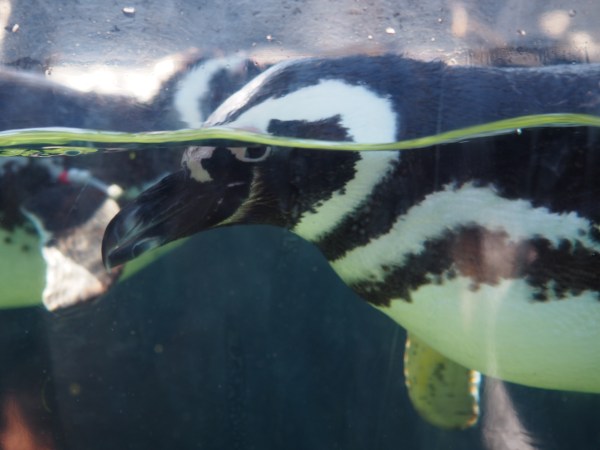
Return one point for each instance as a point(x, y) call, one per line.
point(287, 356)
point(240, 337)
point(177, 359)
point(243, 337)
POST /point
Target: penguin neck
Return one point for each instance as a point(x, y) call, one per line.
point(290, 190)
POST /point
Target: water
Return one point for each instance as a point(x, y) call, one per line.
point(36, 142)
point(285, 356)
point(211, 347)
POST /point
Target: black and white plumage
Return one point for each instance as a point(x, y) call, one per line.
point(53, 212)
point(487, 250)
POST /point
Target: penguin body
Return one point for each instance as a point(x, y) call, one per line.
point(485, 250)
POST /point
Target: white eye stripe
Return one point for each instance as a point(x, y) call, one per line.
point(192, 159)
point(368, 116)
point(242, 154)
point(194, 156)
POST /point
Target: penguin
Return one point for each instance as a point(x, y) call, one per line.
point(486, 251)
point(53, 211)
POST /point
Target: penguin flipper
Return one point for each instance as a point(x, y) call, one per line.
point(443, 392)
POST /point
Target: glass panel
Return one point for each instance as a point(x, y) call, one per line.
point(282, 318)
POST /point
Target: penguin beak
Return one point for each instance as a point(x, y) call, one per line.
point(176, 207)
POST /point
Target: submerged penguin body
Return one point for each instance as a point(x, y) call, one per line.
point(485, 250)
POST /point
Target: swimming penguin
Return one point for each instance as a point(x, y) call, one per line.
point(53, 211)
point(486, 251)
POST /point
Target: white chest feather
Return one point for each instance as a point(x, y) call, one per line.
point(495, 330)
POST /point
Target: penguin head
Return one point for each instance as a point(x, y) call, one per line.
point(219, 186)
point(212, 184)
point(338, 100)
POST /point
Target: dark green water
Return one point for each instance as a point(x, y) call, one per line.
point(211, 348)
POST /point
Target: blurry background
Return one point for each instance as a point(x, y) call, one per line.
point(117, 44)
point(244, 338)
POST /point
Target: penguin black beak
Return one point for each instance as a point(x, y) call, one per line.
point(176, 207)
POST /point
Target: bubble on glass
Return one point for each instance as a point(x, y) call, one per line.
point(555, 23)
point(129, 11)
point(75, 389)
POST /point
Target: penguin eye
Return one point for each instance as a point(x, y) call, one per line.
point(251, 154)
point(255, 153)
